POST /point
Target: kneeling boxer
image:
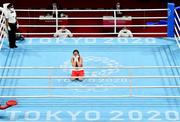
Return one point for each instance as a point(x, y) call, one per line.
point(77, 64)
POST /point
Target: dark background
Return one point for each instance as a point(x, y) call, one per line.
point(70, 4)
point(91, 4)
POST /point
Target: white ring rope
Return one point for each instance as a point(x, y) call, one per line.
point(116, 10)
point(2, 26)
point(115, 26)
point(178, 36)
point(177, 29)
point(1, 41)
point(86, 10)
point(92, 10)
point(100, 67)
point(98, 105)
point(95, 33)
point(101, 18)
point(85, 97)
point(83, 87)
point(2, 30)
point(178, 26)
point(177, 15)
point(86, 77)
point(177, 39)
point(30, 26)
point(2, 15)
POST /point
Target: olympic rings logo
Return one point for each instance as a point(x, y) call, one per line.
point(99, 61)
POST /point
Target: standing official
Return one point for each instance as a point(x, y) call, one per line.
point(11, 22)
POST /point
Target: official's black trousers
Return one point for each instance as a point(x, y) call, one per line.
point(12, 34)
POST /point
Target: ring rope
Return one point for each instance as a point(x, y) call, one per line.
point(86, 10)
point(177, 15)
point(69, 18)
point(178, 26)
point(94, 26)
point(86, 77)
point(95, 33)
point(85, 97)
point(83, 87)
point(98, 105)
point(178, 36)
point(100, 67)
point(1, 27)
point(177, 40)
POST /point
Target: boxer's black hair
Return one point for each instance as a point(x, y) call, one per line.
point(76, 51)
point(10, 5)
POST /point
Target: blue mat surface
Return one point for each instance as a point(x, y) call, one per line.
point(96, 52)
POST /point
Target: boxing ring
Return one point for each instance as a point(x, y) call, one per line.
point(126, 79)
